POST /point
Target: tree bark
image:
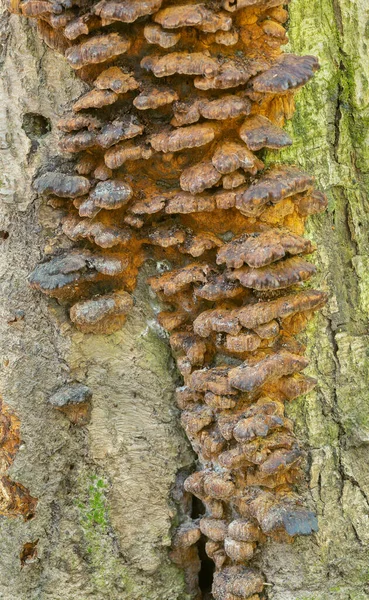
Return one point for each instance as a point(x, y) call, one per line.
point(104, 508)
point(330, 132)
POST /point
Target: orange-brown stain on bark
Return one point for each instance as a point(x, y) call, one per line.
point(15, 499)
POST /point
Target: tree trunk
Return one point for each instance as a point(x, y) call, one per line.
point(105, 501)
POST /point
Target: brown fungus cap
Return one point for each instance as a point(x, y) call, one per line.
point(174, 281)
point(193, 15)
point(86, 164)
point(95, 99)
point(155, 34)
point(213, 380)
point(155, 98)
point(105, 236)
point(102, 172)
point(225, 107)
point(259, 132)
point(243, 530)
point(187, 534)
point(240, 581)
point(111, 194)
point(199, 177)
point(80, 26)
point(288, 73)
point(218, 320)
point(257, 426)
point(234, 5)
point(259, 250)
point(231, 74)
point(181, 63)
point(102, 314)
point(185, 203)
point(243, 342)
point(185, 137)
point(119, 130)
point(230, 156)
point(263, 312)
point(119, 154)
point(250, 377)
point(97, 50)
point(214, 529)
point(117, 80)
point(39, 8)
point(239, 552)
point(276, 276)
point(75, 142)
point(126, 11)
point(277, 184)
point(63, 272)
point(74, 122)
point(218, 287)
point(196, 245)
point(164, 236)
point(62, 185)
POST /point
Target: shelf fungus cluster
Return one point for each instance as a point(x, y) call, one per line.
point(184, 99)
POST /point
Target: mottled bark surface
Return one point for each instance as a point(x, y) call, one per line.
point(104, 514)
point(330, 131)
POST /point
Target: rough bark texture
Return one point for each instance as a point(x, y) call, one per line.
point(330, 131)
point(104, 514)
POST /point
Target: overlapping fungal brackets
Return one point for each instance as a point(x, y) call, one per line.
point(184, 98)
point(15, 499)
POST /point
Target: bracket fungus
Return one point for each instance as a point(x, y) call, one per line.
point(66, 276)
point(259, 132)
point(74, 401)
point(182, 98)
point(103, 314)
point(116, 80)
point(64, 186)
point(97, 50)
point(126, 11)
point(260, 249)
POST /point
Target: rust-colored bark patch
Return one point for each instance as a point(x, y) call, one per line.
point(15, 499)
point(28, 553)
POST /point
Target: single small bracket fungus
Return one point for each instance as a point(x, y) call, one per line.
point(103, 314)
point(74, 401)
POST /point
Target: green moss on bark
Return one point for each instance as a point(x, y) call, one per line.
point(331, 139)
